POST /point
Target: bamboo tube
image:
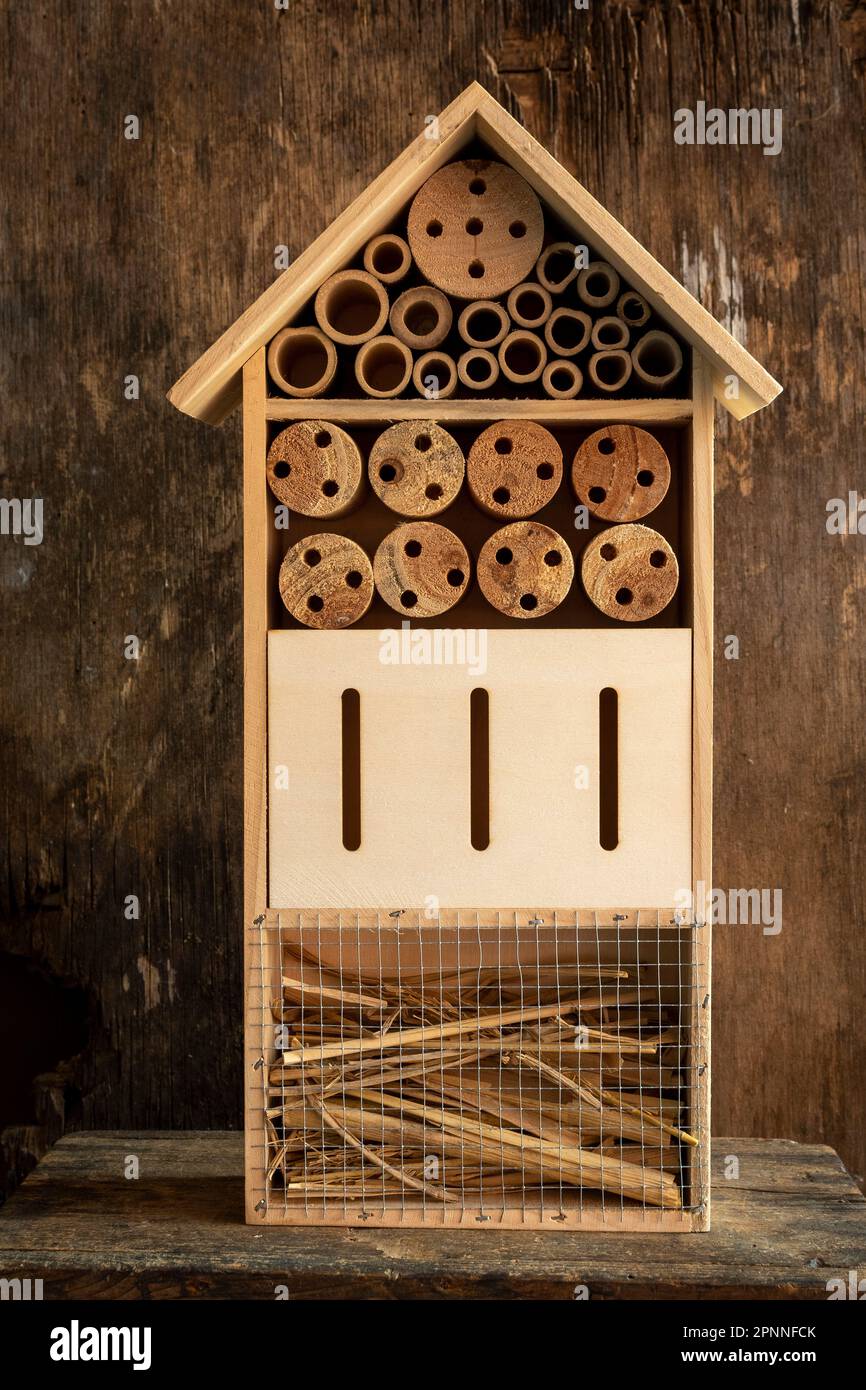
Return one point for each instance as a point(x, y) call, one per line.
point(351, 307)
point(556, 267)
point(421, 317)
point(314, 468)
point(629, 572)
point(609, 333)
point(483, 324)
point(475, 228)
point(302, 361)
point(567, 331)
point(477, 369)
point(434, 375)
point(387, 257)
point(326, 581)
point(620, 473)
point(598, 285)
point(562, 379)
point(657, 360)
point(522, 356)
point(529, 305)
point(422, 569)
point(383, 367)
point(610, 371)
point(514, 468)
point(633, 309)
point(417, 468)
point(525, 570)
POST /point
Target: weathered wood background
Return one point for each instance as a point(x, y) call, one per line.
point(258, 125)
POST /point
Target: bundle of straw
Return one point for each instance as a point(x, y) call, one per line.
point(474, 1085)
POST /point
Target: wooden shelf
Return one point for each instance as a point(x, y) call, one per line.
point(467, 411)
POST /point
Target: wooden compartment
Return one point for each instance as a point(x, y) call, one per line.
point(478, 1069)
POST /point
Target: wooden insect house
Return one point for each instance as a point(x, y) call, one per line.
point(478, 603)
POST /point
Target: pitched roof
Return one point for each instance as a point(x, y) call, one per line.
point(211, 388)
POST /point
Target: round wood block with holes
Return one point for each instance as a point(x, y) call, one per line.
point(620, 473)
point(475, 229)
point(421, 569)
point(514, 468)
point(525, 569)
point(314, 468)
point(416, 468)
point(629, 572)
point(326, 581)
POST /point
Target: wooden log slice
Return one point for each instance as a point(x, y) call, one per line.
point(314, 468)
point(514, 469)
point(475, 229)
point(629, 572)
point(326, 581)
point(620, 473)
point(422, 569)
point(417, 468)
point(525, 569)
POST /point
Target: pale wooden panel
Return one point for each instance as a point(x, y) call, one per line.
point(584, 412)
point(415, 772)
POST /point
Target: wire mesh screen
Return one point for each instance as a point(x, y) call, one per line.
point(512, 1070)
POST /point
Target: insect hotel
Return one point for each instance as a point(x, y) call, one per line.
point(478, 606)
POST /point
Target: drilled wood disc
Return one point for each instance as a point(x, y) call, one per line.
point(475, 229)
point(629, 572)
point(416, 468)
point(514, 468)
point(525, 569)
point(326, 581)
point(315, 469)
point(620, 473)
point(422, 569)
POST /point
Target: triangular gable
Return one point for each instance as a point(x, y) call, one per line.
point(211, 388)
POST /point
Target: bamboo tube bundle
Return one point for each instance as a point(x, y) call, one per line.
point(621, 473)
point(302, 361)
point(383, 366)
point(351, 307)
point(657, 359)
point(421, 317)
point(530, 305)
point(421, 569)
point(417, 468)
point(326, 581)
point(471, 1086)
point(434, 375)
point(388, 258)
point(483, 324)
point(514, 468)
point(629, 572)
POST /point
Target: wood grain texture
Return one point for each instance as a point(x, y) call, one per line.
point(793, 1220)
point(130, 256)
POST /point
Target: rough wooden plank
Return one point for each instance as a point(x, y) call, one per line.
point(793, 1220)
point(129, 255)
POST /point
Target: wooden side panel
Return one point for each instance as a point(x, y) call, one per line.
point(258, 541)
point(544, 769)
point(701, 567)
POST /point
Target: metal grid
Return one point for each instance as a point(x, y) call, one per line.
point(513, 1069)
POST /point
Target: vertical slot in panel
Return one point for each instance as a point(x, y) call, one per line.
point(479, 768)
point(608, 768)
point(351, 732)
